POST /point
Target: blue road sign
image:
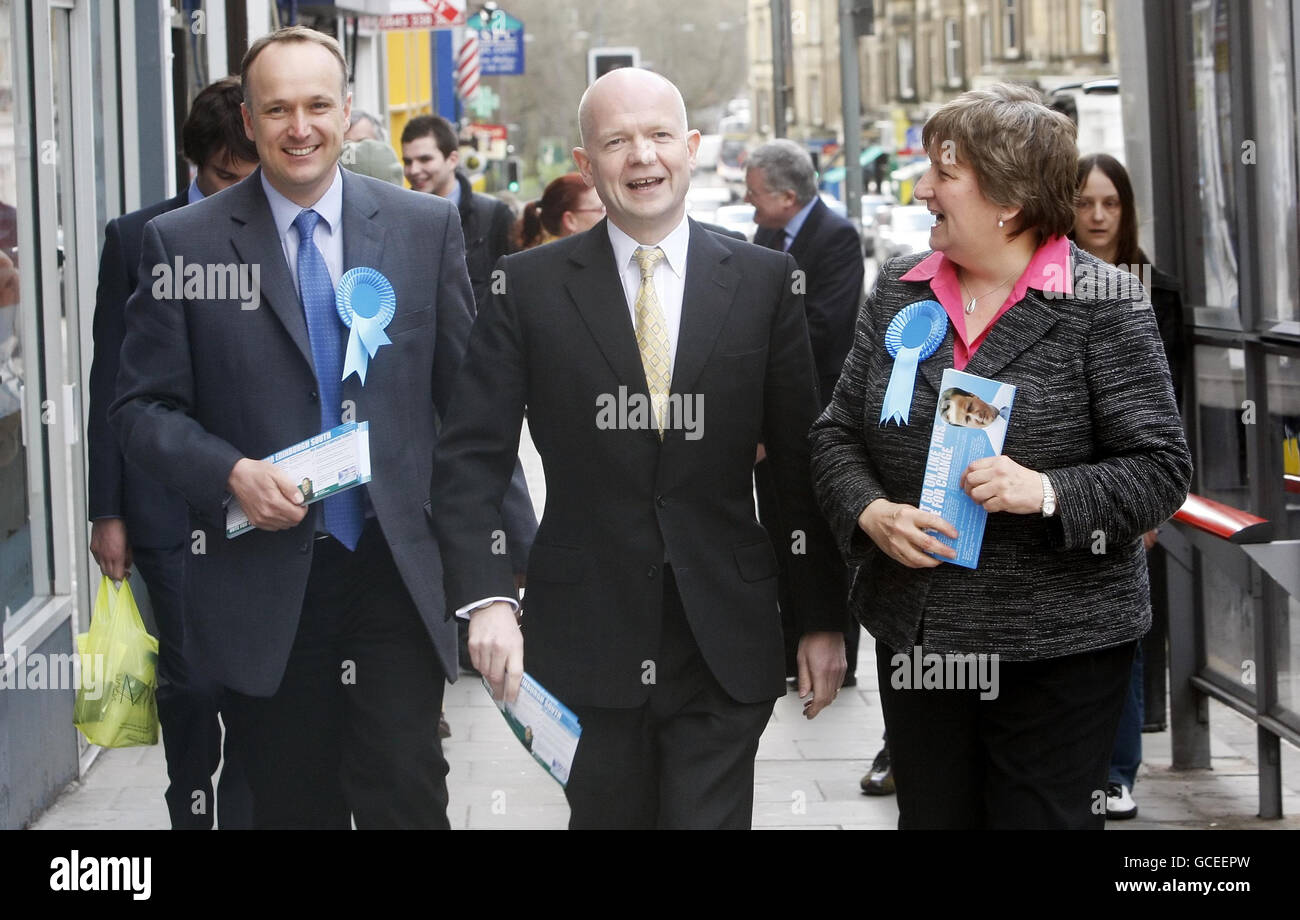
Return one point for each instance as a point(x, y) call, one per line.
point(500, 43)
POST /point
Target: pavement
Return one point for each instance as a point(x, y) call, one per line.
point(806, 773)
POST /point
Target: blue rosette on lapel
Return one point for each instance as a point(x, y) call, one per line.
point(366, 304)
point(915, 333)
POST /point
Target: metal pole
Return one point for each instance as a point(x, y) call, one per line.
point(852, 113)
point(779, 18)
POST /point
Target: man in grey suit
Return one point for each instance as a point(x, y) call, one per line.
point(326, 623)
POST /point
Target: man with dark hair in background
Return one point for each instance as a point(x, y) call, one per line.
point(430, 157)
point(136, 519)
point(431, 160)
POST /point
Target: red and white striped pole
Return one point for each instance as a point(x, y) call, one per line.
point(467, 66)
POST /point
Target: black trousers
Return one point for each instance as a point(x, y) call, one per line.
point(685, 759)
point(1035, 756)
point(782, 540)
point(188, 704)
point(352, 732)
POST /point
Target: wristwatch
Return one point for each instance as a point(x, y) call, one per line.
point(1049, 497)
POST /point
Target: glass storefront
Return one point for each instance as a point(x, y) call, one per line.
point(16, 582)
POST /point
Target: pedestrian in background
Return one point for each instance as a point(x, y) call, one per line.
point(781, 184)
point(567, 206)
point(365, 126)
point(1106, 225)
point(431, 163)
point(136, 520)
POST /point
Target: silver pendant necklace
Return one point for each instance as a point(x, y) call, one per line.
point(970, 305)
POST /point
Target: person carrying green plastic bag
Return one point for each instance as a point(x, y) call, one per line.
point(121, 710)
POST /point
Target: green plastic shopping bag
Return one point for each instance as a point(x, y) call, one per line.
point(117, 705)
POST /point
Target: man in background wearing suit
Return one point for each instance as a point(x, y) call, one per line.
point(781, 184)
point(135, 518)
point(431, 160)
point(651, 604)
point(326, 623)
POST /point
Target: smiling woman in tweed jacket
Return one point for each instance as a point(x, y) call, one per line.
point(1094, 456)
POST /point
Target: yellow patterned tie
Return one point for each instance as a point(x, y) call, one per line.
point(652, 336)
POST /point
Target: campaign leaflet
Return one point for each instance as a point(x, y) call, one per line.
point(970, 423)
point(321, 466)
point(544, 726)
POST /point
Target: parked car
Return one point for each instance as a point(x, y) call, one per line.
point(737, 217)
point(872, 206)
point(907, 231)
point(702, 202)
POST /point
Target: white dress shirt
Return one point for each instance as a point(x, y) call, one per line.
point(669, 276)
point(329, 229)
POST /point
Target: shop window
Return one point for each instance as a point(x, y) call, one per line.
point(1273, 154)
point(906, 63)
point(16, 583)
point(952, 52)
point(1223, 417)
point(1214, 275)
point(1281, 437)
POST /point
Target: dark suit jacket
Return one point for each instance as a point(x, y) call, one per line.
point(1094, 410)
point(204, 383)
point(485, 222)
point(1167, 301)
point(829, 251)
point(619, 502)
point(154, 514)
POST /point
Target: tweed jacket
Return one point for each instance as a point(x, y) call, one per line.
point(1094, 410)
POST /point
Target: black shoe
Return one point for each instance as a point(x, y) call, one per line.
point(879, 780)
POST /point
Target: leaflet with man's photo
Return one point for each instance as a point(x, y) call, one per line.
point(320, 466)
point(970, 423)
point(544, 726)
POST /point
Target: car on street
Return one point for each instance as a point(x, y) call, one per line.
point(907, 231)
point(737, 217)
point(872, 207)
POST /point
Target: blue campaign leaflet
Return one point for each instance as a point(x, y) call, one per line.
point(970, 423)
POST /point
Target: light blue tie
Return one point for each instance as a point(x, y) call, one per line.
point(343, 516)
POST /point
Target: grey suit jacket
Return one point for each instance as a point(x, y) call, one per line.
point(204, 383)
point(1094, 410)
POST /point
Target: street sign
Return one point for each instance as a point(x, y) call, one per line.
point(441, 14)
point(500, 42)
point(448, 12)
point(485, 102)
point(491, 140)
point(601, 61)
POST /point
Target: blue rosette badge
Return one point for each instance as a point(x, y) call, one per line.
point(915, 333)
point(366, 304)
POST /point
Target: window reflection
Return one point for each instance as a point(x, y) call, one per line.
point(1216, 151)
point(16, 586)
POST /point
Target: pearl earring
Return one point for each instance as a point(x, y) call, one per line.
point(1000, 222)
